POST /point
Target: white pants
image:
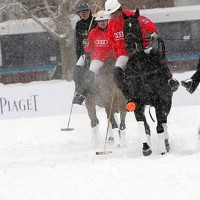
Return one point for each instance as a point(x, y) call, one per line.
point(121, 62)
point(95, 65)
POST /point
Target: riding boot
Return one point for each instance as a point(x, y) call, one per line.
point(190, 85)
point(78, 76)
point(196, 76)
point(173, 83)
point(119, 79)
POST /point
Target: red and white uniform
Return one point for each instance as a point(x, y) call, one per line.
point(115, 28)
point(99, 44)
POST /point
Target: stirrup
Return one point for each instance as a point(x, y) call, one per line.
point(78, 99)
point(174, 84)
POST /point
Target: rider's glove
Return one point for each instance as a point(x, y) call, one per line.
point(86, 42)
point(174, 84)
point(190, 85)
point(154, 36)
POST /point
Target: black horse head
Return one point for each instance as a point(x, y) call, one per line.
point(133, 33)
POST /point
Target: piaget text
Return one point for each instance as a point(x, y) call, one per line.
point(29, 104)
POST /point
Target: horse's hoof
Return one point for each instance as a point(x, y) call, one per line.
point(147, 152)
point(162, 153)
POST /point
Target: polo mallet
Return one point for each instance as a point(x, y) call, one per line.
point(104, 152)
point(69, 129)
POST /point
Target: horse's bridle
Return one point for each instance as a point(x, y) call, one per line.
point(137, 48)
point(131, 38)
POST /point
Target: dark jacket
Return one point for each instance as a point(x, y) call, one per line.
point(82, 27)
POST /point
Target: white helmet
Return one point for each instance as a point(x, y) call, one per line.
point(101, 15)
point(112, 5)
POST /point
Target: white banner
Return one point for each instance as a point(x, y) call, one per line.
point(35, 99)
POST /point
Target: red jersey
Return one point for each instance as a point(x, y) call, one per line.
point(99, 44)
point(115, 28)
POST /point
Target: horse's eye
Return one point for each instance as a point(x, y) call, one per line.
point(130, 25)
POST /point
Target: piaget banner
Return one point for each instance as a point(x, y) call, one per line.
point(34, 99)
point(12, 105)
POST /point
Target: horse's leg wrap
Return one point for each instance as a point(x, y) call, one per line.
point(142, 132)
point(161, 139)
point(166, 137)
point(110, 134)
point(119, 79)
point(122, 128)
point(95, 135)
point(148, 132)
point(117, 140)
point(123, 137)
point(161, 143)
point(146, 148)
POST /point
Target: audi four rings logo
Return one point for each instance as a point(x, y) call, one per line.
point(119, 34)
point(101, 42)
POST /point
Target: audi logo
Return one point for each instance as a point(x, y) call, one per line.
point(119, 35)
point(101, 42)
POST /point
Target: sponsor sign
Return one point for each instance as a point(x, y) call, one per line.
point(34, 99)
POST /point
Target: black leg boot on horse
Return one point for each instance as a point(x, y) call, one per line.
point(84, 83)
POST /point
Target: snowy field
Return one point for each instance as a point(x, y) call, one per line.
point(39, 162)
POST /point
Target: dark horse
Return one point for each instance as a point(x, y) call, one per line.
point(145, 76)
point(107, 96)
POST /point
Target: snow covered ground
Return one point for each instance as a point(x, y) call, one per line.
point(40, 162)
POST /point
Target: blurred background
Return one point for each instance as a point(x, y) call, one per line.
point(37, 37)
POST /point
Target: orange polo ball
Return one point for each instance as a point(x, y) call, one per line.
point(131, 106)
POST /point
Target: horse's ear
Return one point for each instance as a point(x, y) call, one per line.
point(125, 16)
point(137, 12)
